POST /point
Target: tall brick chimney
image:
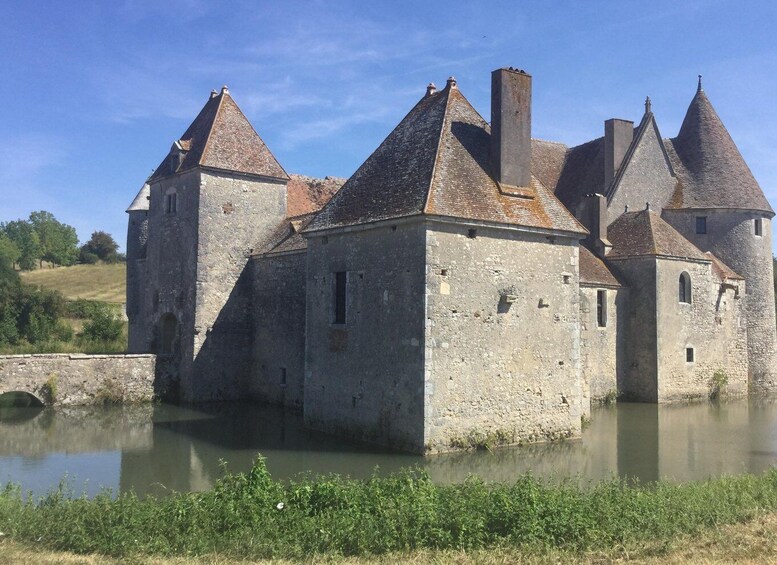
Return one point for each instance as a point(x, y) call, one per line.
point(511, 126)
point(618, 135)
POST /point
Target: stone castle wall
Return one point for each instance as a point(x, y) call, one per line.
point(64, 379)
point(364, 378)
point(600, 363)
point(731, 237)
point(502, 337)
point(278, 364)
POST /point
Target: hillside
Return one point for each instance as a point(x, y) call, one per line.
point(103, 282)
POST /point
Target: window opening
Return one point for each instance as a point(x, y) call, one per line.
point(759, 227)
point(472, 233)
point(684, 288)
point(171, 203)
point(701, 224)
point(689, 354)
point(283, 376)
point(340, 297)
point(601, 308)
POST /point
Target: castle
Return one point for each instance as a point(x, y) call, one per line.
point(467, 281)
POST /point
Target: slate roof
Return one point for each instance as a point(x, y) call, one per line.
point(436, 162)
point(221, 137)
point(547, 161)
point(712, 172)
point(308, 194)
point(644, 233)
point(582, 173)
point(594, 271)
point(141, 199)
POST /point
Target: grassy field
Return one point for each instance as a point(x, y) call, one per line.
point(103, 282)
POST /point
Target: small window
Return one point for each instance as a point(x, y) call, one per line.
point(759, 227)
point(689, 354)
point(472, 233)
point(684, 288)
point(171, 203)
point(601, 308)
point(340, 297)
point(283, 376)
point(701, 224)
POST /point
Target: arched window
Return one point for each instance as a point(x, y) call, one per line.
point(168, 333)
point(685, 288)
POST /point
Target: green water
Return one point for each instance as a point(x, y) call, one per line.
point(156, 449)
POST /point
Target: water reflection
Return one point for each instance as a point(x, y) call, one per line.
point(157, 449)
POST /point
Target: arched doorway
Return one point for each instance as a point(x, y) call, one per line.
point(169, 335)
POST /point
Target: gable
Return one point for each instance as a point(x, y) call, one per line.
point(646, 175)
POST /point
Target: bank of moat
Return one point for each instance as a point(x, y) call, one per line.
point(466, 281)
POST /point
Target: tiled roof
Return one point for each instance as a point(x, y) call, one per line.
point(221, 137)
point(583, 173)
point(141, 200)
point(308, 194)
point(286, 237)
point(594, 271)
point(721, 270)
point(436, 162)
point(547, 161)
point(712, 172)
point(643, 233)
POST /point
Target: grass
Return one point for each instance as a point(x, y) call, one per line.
point(388, 519)
point(103, 282)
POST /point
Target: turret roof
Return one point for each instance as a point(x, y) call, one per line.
point(140, 202)
point(644, 233)
point(712, 172)
point(221, 137)
point(436, 162)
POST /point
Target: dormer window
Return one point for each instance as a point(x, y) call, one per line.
point(177, 155)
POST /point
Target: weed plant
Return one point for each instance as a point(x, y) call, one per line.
point(252, 516)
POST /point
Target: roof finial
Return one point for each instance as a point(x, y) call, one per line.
point(213, 93)
point(647, 105)
point(627, 209)
point(699, 89)
point(430, 89)
point(451, 82)
point(647, 206)
point(224, 89)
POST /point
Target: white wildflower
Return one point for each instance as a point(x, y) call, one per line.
point(280, 506)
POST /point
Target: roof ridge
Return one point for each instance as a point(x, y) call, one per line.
point(447, 90)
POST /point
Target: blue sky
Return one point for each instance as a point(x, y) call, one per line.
point(95, 92)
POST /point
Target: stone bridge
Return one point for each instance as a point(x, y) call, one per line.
point(67, 379)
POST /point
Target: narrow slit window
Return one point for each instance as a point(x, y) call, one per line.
point(340, 297)
point(601, 308)
point(759, 227)
point(283, 376)
point(171, 203)
point(684, 288)
point(701, 224)
point(689, 354)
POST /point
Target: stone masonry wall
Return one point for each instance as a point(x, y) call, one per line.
point(499, 369)
point(712, 324)
point(601, 357)
point(645, 179)
point(364, 378)
point(731, 237)
point(278, 364)
point(235, 213)
point(68, 379)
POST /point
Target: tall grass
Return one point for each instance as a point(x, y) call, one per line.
point(251, 515)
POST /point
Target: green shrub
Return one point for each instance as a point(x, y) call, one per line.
point(102, 325)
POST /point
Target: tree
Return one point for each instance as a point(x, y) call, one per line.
point(102, 245)
point(58, 241)
point(27, 241)
point(9, 251)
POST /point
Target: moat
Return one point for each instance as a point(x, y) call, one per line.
point(161, 448)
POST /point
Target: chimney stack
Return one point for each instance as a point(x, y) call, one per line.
point(511, 126)
point(618, 135)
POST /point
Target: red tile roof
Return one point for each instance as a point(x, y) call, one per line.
point(642, 233)
point(594, 271)
point(221, 137)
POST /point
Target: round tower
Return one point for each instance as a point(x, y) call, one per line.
point(137, 238)
point(719, 206)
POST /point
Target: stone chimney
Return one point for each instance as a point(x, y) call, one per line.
point(511, 126)
point(618, 135)
point(592, 213)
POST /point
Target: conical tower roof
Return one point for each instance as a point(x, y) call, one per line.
point(436, 162)
point(221, 137)
point(712, 172)
point(140, 203)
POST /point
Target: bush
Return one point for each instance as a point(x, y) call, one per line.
point(82, 309)
point(87, 258)
point(102, 325)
